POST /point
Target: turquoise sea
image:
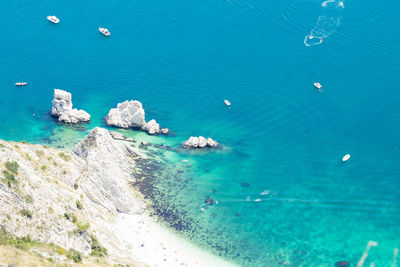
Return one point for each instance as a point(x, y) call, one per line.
point(281, 136)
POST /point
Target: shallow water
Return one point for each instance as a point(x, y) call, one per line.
point(181, 60)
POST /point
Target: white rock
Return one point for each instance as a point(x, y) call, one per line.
point(152, 127)
point(107, 171)
point(211, 142)
point(126, 115)
point(62, 108)
point(165, 130)
point(200, 142)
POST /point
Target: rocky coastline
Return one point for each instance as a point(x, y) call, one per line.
point(80, 205)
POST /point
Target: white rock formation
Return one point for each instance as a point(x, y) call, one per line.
point(62, 108)
point(200, 142)
point(130, 114)
point(126, 115)
point(152, 127)
point(165, 130)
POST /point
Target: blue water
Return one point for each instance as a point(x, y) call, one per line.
point(181, 59)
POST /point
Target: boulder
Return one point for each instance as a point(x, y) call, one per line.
point(127, 114)
point(152, 127)
point(62, 108)
point(165, 130)
point(200, 142)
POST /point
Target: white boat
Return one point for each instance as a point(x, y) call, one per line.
point(21, 84)
point(318, 86)
point(104, 31)
point(53, 19)
point(346, 157)
point(227, 103)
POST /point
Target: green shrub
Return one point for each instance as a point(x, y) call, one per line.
point(81, 228)
point(61, 250)
point(12, 166)
point(10, 178)
point(43, 168)
point(76, 186)
point(79, 204)
point(97, 249)
point(29, 199)
point(64, 156)
point(27, 213)
point(74, 255)
point(71, 217)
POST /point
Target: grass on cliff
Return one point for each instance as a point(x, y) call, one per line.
point(12, 166)
point(24, 243)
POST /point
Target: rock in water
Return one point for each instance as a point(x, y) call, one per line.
point(62, 108)
point(130, 114)
point(342, 264)
point(165, 130)
point(127, 114)
point(152, 127)
point(200, 142)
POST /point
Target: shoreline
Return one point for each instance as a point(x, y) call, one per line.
point(101, 166)
point(157, 245)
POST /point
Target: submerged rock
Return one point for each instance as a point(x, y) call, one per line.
point(200, 142)
point(342, 264)
point(62, 108)
point(244, 184)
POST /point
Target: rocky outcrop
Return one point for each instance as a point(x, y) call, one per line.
point(62, 108)
point(152, 127)
point(109, 164)
point(200, 142)
point(165, 131)
point(119, 136)
point(130, 114)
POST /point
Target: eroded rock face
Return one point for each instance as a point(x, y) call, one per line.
point(62, 108)
point(109, 164)
point(127, 114)
point(200, 142)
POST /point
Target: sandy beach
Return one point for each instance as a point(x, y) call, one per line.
point(158, 246)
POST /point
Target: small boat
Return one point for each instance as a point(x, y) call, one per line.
point(227, 103)
point(318, 86)
point(104, 31)
point(53, 19)
point(346, 157)
point(21, 84)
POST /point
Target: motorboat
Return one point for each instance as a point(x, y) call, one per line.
point(318, 86)
point(346, 157)
point(227, 103)
point(53, 19)
point(21, 84)
point(104, 31)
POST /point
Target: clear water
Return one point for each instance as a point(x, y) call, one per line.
point(181, 59)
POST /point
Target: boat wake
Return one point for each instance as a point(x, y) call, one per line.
point(327, 22)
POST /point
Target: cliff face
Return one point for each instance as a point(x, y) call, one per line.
point(68, 201)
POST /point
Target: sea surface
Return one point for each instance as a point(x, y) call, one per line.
point(282, 139)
